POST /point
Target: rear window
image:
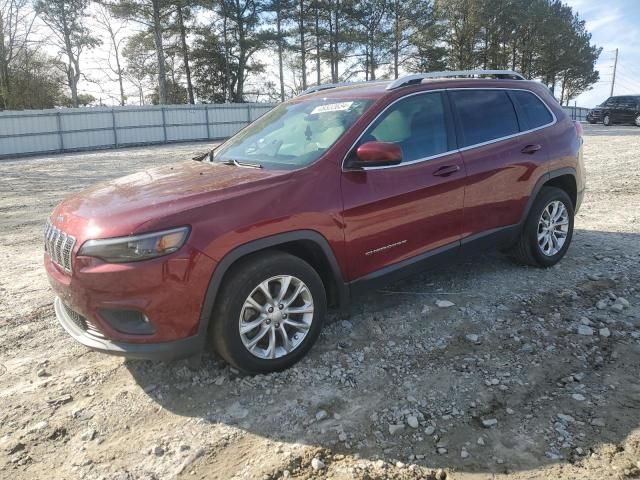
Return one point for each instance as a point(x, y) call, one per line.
point(536, 114)
point(484, 115)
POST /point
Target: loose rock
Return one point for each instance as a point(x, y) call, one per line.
point(490, 422)
point(395, 429)
point(444, 303)
point(585, 330)
point(412, 421)
point(317, 464)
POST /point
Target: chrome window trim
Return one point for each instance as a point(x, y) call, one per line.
point(457, 150)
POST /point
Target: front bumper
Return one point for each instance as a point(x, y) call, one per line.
point(169, 291)
point(182, 348)
point(594, 116)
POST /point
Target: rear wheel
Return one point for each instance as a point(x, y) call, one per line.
point(606, 120)
point(269, 312)
point(548, 230)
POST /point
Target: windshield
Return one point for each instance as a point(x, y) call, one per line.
point(292, 135)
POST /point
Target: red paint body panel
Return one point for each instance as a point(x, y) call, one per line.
point(394, 214)
point(169, 290)
point(500, 179)
point(370, 219)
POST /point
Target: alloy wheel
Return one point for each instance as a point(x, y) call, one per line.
point(606, 120)
point(553, 228)
point(276, 317)
point(637, 120)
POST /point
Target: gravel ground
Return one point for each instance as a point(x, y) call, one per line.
point(529, 374)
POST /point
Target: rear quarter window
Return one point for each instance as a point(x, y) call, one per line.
point(484, 115)
point(535, 113)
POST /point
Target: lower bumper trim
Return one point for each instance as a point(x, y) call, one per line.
point(185, 347)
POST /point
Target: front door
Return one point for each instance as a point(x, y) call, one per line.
point(395, 213)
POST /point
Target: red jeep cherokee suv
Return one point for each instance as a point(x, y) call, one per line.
point(323, 196)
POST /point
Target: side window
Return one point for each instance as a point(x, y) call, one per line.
point(535, 112)
point(484, 115)
point(610, 102)
point(416, 123)
point(626, 102)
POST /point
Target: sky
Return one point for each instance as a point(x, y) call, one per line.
point(612, 23)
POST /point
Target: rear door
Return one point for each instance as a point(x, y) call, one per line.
point(393, 214)
point(626, 109)
point(615, 109)
point(504, 154)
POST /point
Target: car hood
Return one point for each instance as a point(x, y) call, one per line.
point(123, 206)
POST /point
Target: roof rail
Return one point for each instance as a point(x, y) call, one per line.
point(418, 77)
point(327, 86)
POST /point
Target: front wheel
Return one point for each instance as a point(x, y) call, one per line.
point(269, 312)
point(548, 230)
point(606, 120)
point(636, 120)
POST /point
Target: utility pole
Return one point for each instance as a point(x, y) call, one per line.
point(613, 80)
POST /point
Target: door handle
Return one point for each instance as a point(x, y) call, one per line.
point(531, 149)
point(446, 170)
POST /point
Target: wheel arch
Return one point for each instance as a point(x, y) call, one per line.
point(563, 178)
point(308, 245)
point(566, 182)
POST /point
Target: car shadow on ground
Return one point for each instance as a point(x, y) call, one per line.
point(402, 381)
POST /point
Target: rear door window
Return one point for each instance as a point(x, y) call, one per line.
point(484, 115)
point(416, 123)
point(535, 113)
point(626, 102)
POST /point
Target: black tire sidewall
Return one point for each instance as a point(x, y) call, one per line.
point(546, 196)
point(241, 283)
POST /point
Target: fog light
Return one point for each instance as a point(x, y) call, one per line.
point(130, 322)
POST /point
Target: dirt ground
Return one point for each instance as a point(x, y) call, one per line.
point(531, 374)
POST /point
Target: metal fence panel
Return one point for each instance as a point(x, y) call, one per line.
point(45, 131)
point(184, 133)
point(140, 136)
point(16, 146)
point(576, 113)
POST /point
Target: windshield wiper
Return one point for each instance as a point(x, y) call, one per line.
point(242, 164)
point(201, 156)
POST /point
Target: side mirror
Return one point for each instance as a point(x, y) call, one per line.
point(376, 154)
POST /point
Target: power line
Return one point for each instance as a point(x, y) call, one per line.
point(630, 71)
point(628, 80)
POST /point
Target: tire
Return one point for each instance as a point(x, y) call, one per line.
point(606, 120)
point(243, 281)
point(636, 120)
point(528, 249)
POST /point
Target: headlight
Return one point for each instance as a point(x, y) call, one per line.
point(137, 247)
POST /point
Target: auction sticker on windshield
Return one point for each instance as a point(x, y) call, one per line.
point(332, 107)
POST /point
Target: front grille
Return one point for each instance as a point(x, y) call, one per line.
point(59, 245)
point(82, 322)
